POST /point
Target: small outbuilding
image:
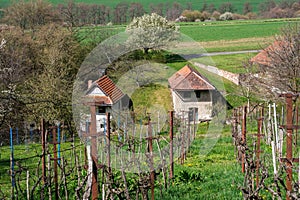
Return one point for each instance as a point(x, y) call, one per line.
point(107, 97)
point(192, 92)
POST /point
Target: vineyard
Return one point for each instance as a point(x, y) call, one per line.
point(124, 161)
point(266, 140)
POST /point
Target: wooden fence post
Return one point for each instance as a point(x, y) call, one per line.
point(244, 130)
point(150, 143)
point(171, 145)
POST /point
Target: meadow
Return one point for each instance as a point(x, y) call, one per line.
point(196, 5)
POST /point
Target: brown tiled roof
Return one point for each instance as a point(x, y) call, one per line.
point(109, 88)
point(97, 100)
point(262, 58)
point(189, 79)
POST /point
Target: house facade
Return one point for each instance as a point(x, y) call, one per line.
point(107, 97)
point(192, 94)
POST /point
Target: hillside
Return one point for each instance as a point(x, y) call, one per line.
point(196, 5)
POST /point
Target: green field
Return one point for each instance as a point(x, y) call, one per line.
point(196, 5)
point(233, 30)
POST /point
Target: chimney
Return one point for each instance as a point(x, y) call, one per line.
point(89, 83)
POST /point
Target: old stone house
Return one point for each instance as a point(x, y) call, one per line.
point(192, 93)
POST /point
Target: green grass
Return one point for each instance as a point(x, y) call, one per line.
point(233, 30)
point(213, 176)
point(147, 96)
point(232, 63)
point(196, 5)
point(27, 157)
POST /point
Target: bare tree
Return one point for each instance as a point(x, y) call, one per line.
point(29, 14)
point(136, 10)
point(158, 9)
point(247, 8)
point(120, 13)
point(174, 11)
point(277, 68)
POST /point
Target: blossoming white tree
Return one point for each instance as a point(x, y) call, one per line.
point(151, 32)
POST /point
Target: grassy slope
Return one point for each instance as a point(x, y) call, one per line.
point(216, 175)
point(196, 5)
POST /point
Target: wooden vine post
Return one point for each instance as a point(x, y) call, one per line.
point(108, 145)
point(55, 161)
point(150, 144)
point(244, 130)
point(43, 151)
point(171, 145)
point(258, 151)
point(93, 135)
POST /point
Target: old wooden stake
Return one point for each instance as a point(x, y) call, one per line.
point(171, 145)
point(43, 151)
point(108, 144)
point(94, 153)
point(55, 162)
point(152, 172)
point(244, 125)
point(259, 123)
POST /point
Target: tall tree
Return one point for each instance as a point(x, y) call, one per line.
point(204, 6)
point(211, 8)
point(120, 13)
point(247, 8)
point(174, 11)
point(17, 64)
point(136, 10)
point(227, 7)
point(157, 8)
point(150, 32)
point(30, 14)
point(266, 6)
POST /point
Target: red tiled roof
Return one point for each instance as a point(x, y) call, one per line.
point(262, 58)
point(189, 79)
point(109, 88)
point(98, 100)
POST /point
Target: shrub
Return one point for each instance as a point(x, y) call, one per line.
point(226, 16)
point(204, 16)
point(191, 16)
point(251, 15)
point(238, 16)
point(216, 15)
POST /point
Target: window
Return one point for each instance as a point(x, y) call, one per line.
point(186, 94)
point(203, 95)
point(101, 110)
point(198, 94)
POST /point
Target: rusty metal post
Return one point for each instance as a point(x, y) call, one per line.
point(297, 124)
point(108, 143)
point(55, 161)
point(94, 152)
point(244, 130)
point(289, 141)
point(171, 144)
point(150, 143)
point(43, 151)
point(259, 131)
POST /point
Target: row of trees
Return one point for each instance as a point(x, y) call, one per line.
point(81, 13)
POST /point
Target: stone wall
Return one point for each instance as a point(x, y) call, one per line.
point(235, 78)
